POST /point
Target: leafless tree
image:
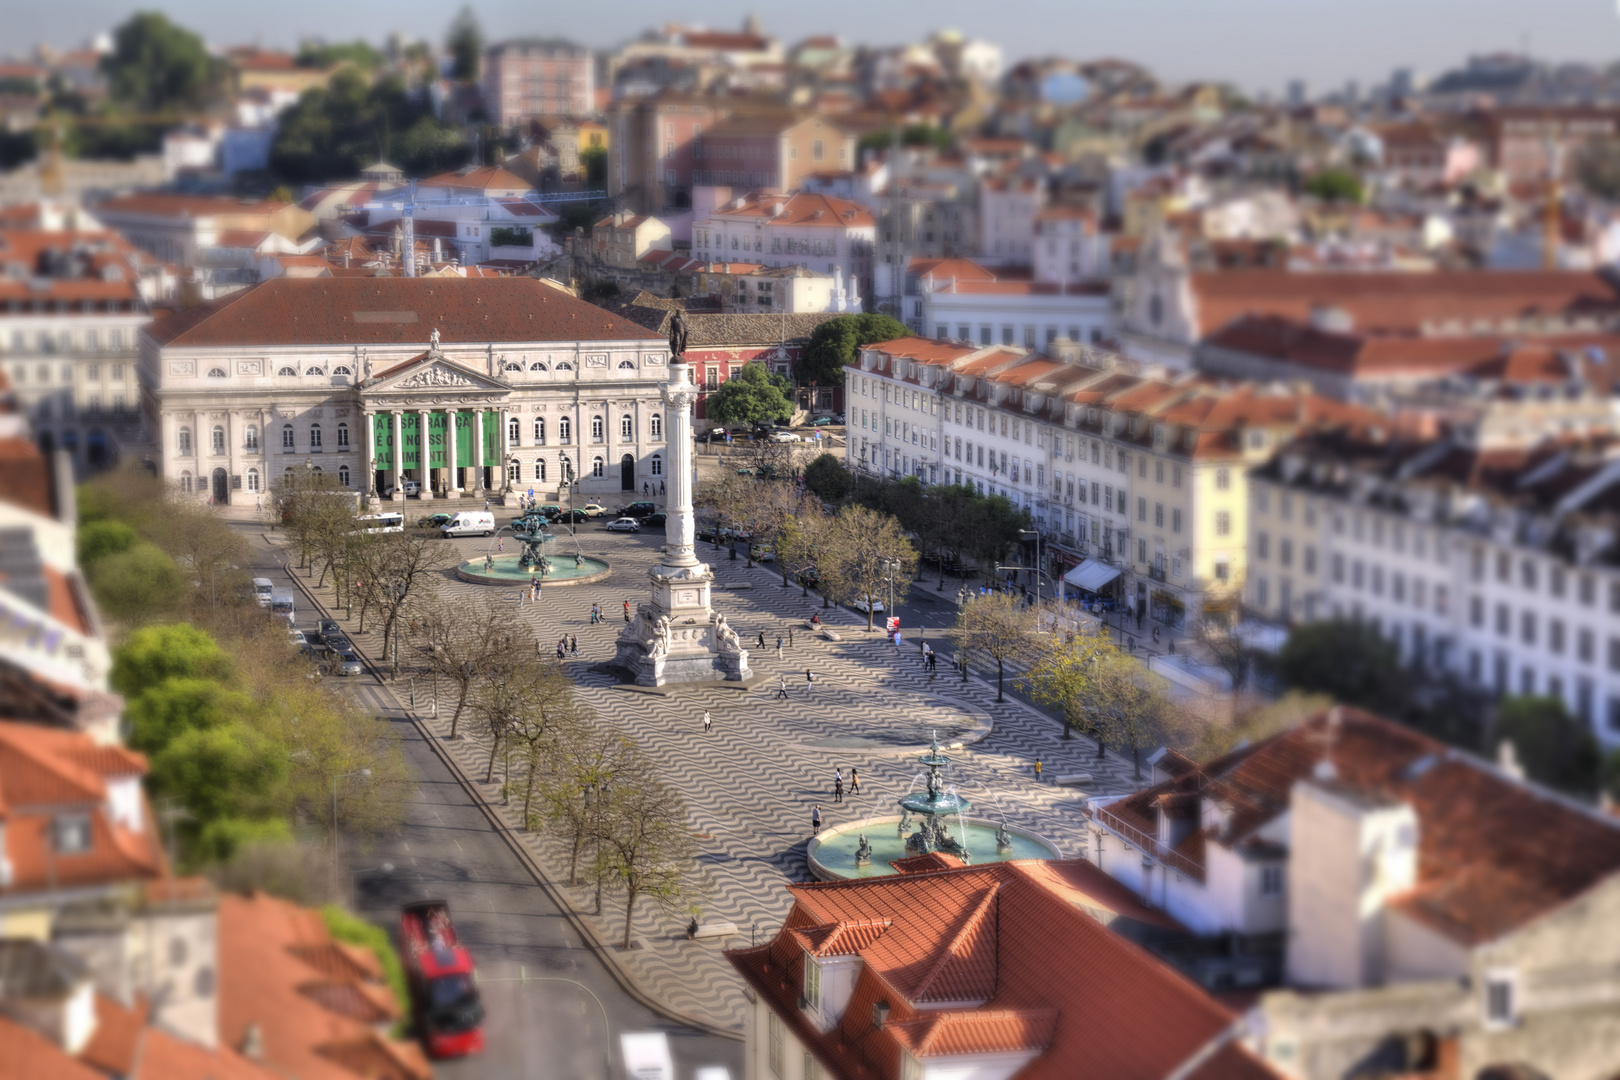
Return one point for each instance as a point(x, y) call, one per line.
point(648, 844)
point(999, 626)
point(859, 555)
point(458, 641)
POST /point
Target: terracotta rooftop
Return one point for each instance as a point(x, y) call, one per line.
point(1493, 853)
point(386, 311)
point(1389, 301)
point(923, 350)
point(989, 959)
point(800, 210)
point(158, 204)
point(483, 178)
point(316, 1006)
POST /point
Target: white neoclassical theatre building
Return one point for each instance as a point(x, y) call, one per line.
point(347, 375)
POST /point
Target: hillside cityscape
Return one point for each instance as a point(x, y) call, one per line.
point(737, 556)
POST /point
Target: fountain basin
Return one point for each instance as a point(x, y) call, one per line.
point(504, 570)
point(831, 853)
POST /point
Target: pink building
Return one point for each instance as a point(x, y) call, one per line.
point(529, 77)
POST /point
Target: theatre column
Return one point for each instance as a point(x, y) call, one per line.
point(398, 419)
point(452, 486)
point(478, 450)
point(424, 476)
point(370, 420)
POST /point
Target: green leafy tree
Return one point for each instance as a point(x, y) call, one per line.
point(337, 130)
point(857, 548)
point(827, 477)
point(157, 653)
point(155, 65)
point(98, 539)
point(1554, 748)
point(595, 161)
point(138, 586)
point(357, 52)
point(465, 41)
point(1062, 676)
point(1335, 185)
point(162, 713)
point(1345, 659)
point(833, 345)
point(751, 396)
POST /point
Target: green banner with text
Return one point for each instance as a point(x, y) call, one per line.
point(382, 427)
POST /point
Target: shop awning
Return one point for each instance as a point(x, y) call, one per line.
point(1091, 575)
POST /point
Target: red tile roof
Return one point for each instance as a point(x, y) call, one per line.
point(1493, 854)
point(923, 350)
point(158, 204)
point(1395, 302)
point(314, 1001)
point(106, 271)
point(387, 311)
point(25, 475)
point(483, 178)
point(1008, 963)
point(800, 210)
point(29, 1055)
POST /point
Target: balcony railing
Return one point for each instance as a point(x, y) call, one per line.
point(1149, 844)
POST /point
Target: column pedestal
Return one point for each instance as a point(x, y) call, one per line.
point(678, 637)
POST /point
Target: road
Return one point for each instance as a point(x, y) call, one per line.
point(447, 848)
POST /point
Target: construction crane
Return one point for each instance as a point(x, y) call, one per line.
point(408, 204)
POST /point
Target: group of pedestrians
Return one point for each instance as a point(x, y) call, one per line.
point(838, 794)
point(567, 645)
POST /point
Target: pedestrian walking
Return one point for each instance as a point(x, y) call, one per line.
point(815, 819)
point(708, 722)
point(1037, 770)
point(790, 637)
point(809, 682)
point(486, 505)
point(854, 782)
point(644, 488)
point(779, 646)
point(838, 789)
point(627, 611)
point(560, 652)
point(761, 639)
point(660, 487)
point(781, 687)
point(573, 644)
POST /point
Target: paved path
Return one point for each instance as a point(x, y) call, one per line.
point(750, 786)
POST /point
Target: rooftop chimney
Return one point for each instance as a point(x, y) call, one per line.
point(253, 1042)
point(1507, 759)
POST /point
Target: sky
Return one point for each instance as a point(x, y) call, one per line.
point(1256, 44)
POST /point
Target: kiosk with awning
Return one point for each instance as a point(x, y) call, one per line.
point(1091, 576)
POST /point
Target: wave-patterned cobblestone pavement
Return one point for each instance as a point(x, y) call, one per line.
point(751, 784)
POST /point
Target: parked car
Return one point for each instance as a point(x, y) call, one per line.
point(810, 579)
point(594, 509)
point(786, 436)
point(433, 521)
point(565, 516)
point(762, 553)
point(823, 421)
point(343, 661)
point(656, 520)
point(860, 605)
point(638, 509)
point(624, 524)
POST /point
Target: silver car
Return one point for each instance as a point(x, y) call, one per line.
point(344, 662)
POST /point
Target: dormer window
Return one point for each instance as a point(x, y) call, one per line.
point(72, 834)
point(812, 983)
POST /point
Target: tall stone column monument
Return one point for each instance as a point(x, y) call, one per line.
point(677, 637)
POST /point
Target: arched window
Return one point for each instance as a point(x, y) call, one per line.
point(316, 470)
point(627, 428)
point(540, 469)
point(537, 366)
point(314, 371)
point(539, 431)
point(598, 429)
point(185, 482)
point(343, 475)
point(251, 439)
point(657, 465)
point(286, 437)
point(513, 365)
point(340, 370)
point(343, 436)
point(216, 373)
point(314, 436)
point(287, 372)
point(656, 425)
point(218, 439)
point(185, 443)
point(627, 365)
point(563, 365)
point(514, 470)
point(253, 479)
point(596, 466)
point(565, 430)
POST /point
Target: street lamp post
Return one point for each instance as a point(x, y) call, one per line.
point(340, 776)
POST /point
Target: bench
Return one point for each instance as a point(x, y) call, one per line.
point(827, 632)
point(715, 929)
point(954, 746)
point(1071, 779)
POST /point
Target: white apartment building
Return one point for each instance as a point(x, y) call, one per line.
point(1007, 209)
point(1143, 474)
point(70, 309)
point(1033, 314)
point(1496, 566)
point(1069, 246)
point(817, 232)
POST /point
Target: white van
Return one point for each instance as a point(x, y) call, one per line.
point(469, 523)
point(262, 588)
point(281, 605)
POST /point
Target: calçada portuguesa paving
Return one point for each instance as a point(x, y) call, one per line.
point(751, 784)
